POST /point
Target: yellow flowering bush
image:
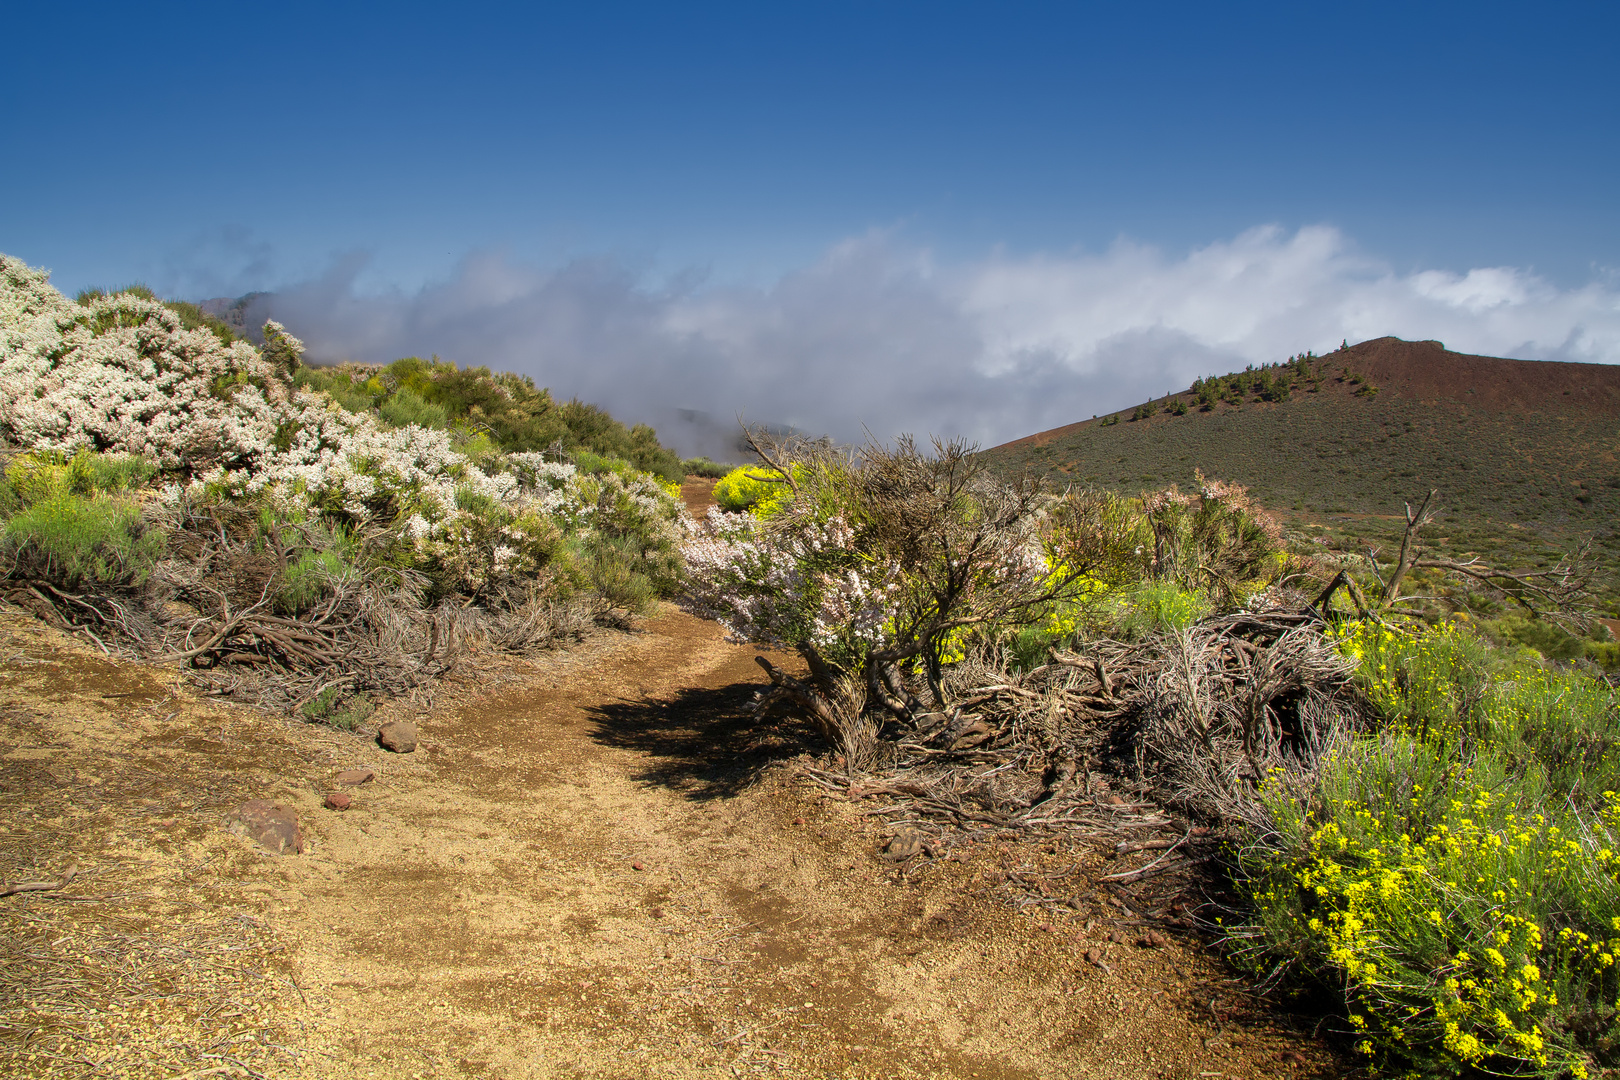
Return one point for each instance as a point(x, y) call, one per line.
point(754, 489)
point(1453, 872)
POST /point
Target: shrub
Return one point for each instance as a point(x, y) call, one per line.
point(1157, 607)
point(408, 407)
point(335, 707)
point(77, 540)
point(309, 579)
point(32, 477)
point(1454, 874)
point(617, 578)
point(752, 488)
point(1551, 640)
point(875, 561)
point(702, 466)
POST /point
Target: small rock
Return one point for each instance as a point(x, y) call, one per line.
point(1117, 937)
point(798, 821)
point(270, 825)
point(338, 801)
point(1095, 958)
point(637, 866)
point(355, 777)
point(903, 845)
point(1153, 940)
point(1047, 928)
point(399, 736)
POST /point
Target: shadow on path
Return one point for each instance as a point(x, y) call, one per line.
point(706, 743)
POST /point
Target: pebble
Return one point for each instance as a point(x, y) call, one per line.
point(355, 777)
point(338, 801)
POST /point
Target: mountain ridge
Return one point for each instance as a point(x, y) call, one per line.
point(1525, 454)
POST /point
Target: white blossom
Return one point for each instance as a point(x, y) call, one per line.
point(121, 375)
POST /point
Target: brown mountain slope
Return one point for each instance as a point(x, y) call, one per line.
point(1429, 373)
point(1525, 454)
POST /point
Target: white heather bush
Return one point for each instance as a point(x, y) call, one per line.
point(226, 423)
point(120, 374)
point(793, 584)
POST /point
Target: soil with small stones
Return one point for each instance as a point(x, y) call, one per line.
point(597, 863)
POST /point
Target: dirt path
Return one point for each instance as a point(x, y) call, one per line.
point(598, 871)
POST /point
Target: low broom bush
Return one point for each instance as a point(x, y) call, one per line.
point(1452, 874)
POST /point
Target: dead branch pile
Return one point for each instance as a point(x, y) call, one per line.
point(1191, 722)
point(211, 606)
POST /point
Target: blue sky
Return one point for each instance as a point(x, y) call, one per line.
point(702, 155)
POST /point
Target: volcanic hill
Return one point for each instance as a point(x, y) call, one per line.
point(1523, 453)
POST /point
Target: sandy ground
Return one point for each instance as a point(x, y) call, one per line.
point(596, 865)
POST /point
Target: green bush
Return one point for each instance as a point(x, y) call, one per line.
point(357, 389)
point(308, 580)
point(617, 577)
point(1453, 873)
point(640, 531)
point(41, 475)
point(332, 706)
point(1553, 641)
point(77, 540)
point(702, 466)
point(1157, 607)
point(408, 407)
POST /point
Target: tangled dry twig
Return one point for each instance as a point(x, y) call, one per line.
point(1175, 732)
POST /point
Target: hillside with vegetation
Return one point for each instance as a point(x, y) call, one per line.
point(1525, 455)
point(1224, 732)
point(317, 539)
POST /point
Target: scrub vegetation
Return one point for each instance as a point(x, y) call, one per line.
point(316, 539)
point(1381, 776)
point(1409, 813)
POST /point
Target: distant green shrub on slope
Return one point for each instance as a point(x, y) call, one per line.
point(517, 416)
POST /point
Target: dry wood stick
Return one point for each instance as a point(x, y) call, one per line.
point(42, 886)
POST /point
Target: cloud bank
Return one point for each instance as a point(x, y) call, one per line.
point(880, 336)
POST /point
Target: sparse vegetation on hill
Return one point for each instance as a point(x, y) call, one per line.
point(301, 536)
point(508, 409)
point(1523, 454)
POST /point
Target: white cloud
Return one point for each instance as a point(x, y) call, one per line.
point(880, 335)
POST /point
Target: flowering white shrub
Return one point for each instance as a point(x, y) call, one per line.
point(120, 374)
point(801, 585)
point(875, 563)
